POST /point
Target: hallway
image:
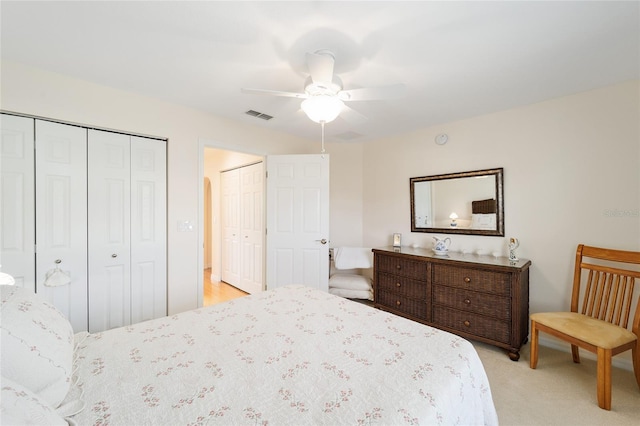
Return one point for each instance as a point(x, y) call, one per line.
point(217, 291)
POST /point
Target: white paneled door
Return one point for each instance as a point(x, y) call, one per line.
point(83, 220)
point(298, 220)
point(127, 229)
point(17, 211)
point(61, 218)
point(252, 227)
point(109, 161)
point(148, 229)
point(242, 214)
point(230, 216)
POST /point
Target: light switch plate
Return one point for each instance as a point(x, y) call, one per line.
point(185, 226)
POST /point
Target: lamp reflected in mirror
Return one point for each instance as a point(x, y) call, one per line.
point(453, 216)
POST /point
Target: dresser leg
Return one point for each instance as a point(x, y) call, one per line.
point(514, 354)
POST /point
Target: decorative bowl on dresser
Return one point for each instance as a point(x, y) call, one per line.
point(483, 298)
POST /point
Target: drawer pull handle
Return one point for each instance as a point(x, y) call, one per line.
point(397, 302)
point(467, 323)
point(397, 284)
point(398, 267)
point(467, 280)
point(467, 301)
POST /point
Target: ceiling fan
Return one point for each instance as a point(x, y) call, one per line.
point(324, 95)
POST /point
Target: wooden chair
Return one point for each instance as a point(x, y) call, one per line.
point(600, 323)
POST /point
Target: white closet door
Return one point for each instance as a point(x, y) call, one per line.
point(230, 204)
point(17, 237)
point(61, 217)
point(109, 230)
point(148, 229)
point(251, 227)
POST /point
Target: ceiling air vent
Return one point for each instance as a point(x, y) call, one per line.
point(259, 115)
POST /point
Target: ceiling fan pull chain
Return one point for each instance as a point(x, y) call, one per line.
point(322, 126)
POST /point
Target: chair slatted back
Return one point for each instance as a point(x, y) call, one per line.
point(607, 292)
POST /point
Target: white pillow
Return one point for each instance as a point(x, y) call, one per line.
point(352, 294)
point(20, 406)
point(350, 282)
point(37, 344)
point(483, 221)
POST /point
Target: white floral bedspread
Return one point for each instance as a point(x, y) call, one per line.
point(294, 356)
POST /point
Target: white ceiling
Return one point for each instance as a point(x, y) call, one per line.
point(457, 59)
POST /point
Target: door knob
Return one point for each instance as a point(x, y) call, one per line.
point(322, 241)
point(114, 255)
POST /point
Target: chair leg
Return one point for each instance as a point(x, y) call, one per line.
point(604, 378)
point(533, 355)
point(635, 354)
point(575, 353)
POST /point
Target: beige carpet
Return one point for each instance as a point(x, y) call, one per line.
point(557, 392)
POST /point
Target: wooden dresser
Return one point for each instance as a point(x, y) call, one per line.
point(477, 297)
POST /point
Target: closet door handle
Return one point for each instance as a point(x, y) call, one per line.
point(322, 241)
point(114, 255)
point(58, 261)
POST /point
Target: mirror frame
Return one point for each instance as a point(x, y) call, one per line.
point(499, 191)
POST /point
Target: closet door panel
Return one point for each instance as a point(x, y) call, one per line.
point(230, 204)
point(109, 164)
point(148, 229)
point(61, 218)
point(252, 227)
point(17, 225)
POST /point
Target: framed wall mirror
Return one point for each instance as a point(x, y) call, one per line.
point(470, 203)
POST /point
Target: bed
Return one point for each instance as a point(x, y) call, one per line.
point(293, 355)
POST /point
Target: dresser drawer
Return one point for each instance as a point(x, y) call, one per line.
point(402, 286)
point(472, 279)
point(474, 324)
point(399, 266)
point(412, 307)
point(473, 301)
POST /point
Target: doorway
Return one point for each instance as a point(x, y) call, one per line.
point(215, 161)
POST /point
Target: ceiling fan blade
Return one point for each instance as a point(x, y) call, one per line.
point(352, 116)
point(321, 67)
point(274, 93)
point(393, 91)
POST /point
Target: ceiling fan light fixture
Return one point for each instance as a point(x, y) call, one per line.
point(322, 108)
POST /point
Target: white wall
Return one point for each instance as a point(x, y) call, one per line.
point(31, 91)
point(571, 170)
point(28, 90)
point(345, 209)
point(571, 175)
